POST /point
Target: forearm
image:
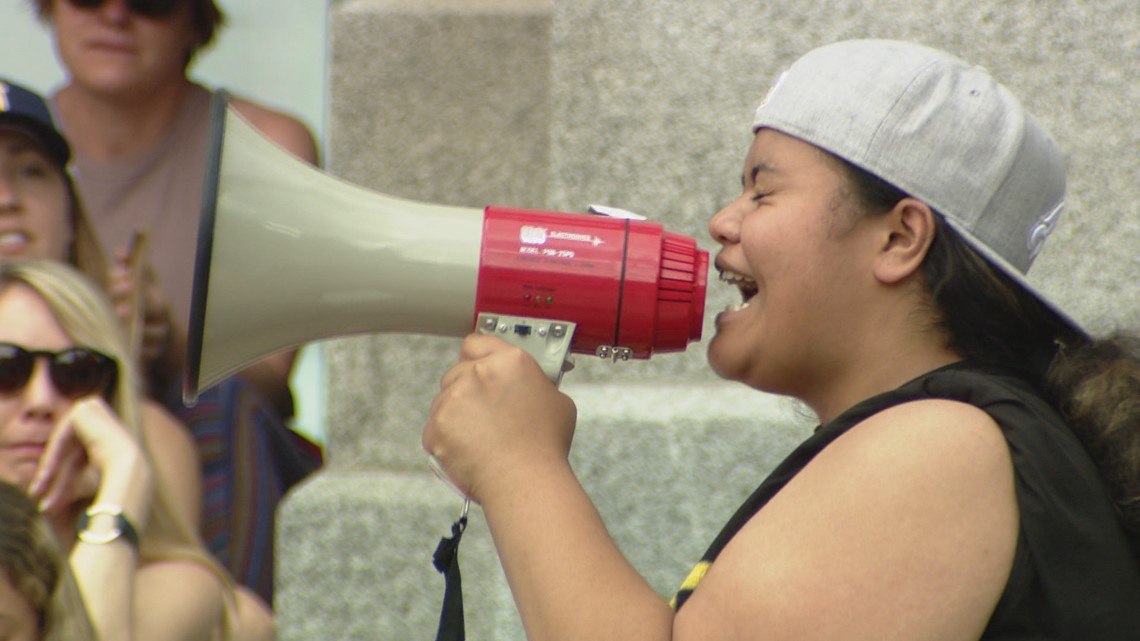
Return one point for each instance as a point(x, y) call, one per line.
point(569, 579)
point(106, 572)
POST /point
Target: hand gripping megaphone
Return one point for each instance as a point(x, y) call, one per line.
point(288, 254)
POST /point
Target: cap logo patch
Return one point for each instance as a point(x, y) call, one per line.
point(4, 97)
point(1040, 231)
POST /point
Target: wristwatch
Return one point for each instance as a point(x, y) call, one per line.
point(101, 524)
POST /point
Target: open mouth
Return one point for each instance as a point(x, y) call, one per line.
point(13, 241)
point(746, 285)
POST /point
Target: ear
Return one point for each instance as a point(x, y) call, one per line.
point(908, 231)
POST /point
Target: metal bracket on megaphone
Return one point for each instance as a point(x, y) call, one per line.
point(546, 340)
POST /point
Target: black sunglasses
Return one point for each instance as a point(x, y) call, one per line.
point(75, 372)
point(144, 8)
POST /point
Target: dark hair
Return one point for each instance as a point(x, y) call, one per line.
point(37, 567)
point(28, 557)
point(1093, 383)
point(208, 20)
point(207, 16)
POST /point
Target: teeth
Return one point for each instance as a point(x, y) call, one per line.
point(746, 285)
point(733, 278)
point(13, 238)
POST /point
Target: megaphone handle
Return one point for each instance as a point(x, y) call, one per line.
point(549, 343)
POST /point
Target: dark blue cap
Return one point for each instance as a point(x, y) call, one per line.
point(26, 110)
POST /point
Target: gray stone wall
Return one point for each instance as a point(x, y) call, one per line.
point(642, 104)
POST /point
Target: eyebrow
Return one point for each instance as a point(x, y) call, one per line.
point(757, 169)
point(20, 145)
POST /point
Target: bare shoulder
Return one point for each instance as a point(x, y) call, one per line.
point(255, 621)
point(163, 429)
point(904, 527)
point(913, 433)
point(284, 129)
point(178, 599)
point(176, 460)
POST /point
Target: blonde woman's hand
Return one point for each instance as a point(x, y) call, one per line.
point(92, 454)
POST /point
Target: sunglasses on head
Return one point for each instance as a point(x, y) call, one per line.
point(76, 372)
point(144, 8)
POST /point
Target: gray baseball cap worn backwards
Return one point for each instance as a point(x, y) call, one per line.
point(941, 130)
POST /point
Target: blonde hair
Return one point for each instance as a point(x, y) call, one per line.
point(86, 315)
point(35, 565)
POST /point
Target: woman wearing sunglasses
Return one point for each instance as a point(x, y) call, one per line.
point(71, 434)
point(41, 217)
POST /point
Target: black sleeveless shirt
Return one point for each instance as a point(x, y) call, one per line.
point(1074, 575)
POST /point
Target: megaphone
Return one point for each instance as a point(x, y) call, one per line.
point(288, 254)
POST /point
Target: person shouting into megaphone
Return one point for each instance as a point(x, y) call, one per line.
point(893, 198)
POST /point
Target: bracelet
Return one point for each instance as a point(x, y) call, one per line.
point(122, 527)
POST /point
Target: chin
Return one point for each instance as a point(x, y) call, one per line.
point(17, 477)
point(724, 361)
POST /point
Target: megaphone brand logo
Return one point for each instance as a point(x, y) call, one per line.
point(531, 235)
point(577, 238)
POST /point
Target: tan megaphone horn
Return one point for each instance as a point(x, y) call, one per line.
point(288, 254)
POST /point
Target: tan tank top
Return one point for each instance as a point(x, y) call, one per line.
point(159, 191)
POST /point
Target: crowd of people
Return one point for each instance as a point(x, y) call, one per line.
point(100, 191)
point(138, 128)
point(973, 475)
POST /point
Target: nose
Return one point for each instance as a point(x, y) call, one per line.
point(8, 196)
point(40, 394)
point(724, 226)
point(115, 11)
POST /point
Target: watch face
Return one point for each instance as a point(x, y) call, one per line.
point(100, 528)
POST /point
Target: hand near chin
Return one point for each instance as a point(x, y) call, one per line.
point(496, 418)
point(89, 449)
